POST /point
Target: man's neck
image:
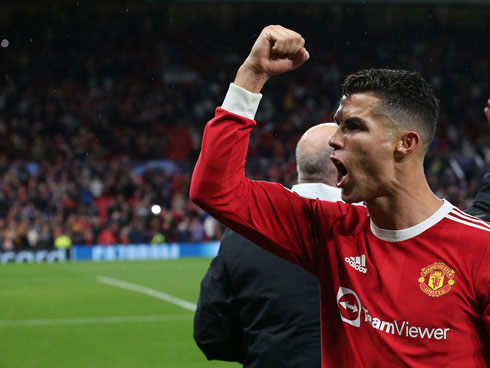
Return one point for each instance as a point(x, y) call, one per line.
point(405, 207)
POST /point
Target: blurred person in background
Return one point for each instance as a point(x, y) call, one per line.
point(481, 205)
point(109, 235)
point(62, 240)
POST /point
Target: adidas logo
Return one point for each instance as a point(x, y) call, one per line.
point(357, 263)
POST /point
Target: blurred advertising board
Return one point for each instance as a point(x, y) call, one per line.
point(133, 252)
point(33, 256)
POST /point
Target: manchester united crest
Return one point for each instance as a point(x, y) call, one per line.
point(436, 280)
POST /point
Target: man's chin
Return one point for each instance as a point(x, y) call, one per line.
point(349, 197)
point(349, 200)
point(346, 198)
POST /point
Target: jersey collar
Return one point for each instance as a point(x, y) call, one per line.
point(413, 231)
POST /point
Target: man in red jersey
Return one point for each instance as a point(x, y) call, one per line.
point(422, 297)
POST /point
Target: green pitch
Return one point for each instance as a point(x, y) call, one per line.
point(65, 315)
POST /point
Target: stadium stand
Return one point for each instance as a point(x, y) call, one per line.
point(101, 108)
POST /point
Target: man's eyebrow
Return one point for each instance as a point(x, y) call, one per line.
point(354, 119)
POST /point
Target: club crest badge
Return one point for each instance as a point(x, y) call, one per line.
point(436, 279)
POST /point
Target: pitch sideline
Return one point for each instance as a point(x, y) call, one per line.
point(147, 291)
point(94, 320)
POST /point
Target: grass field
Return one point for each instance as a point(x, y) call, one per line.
point(84, 315)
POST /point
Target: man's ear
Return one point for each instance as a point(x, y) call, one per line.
point(408, 143)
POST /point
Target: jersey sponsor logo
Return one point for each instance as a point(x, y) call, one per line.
point(436, 279)
point(350, 306)
point(357, 263)
point(351, 311)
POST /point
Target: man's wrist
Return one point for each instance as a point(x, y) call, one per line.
point(250, 80)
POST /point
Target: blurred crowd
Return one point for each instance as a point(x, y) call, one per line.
point(102, 111)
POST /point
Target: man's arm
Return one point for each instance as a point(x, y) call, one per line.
point(217, 328)
point(266, 213)
point(481, 206)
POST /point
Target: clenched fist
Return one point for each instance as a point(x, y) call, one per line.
point(277, 50)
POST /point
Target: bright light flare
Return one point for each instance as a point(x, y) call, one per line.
point(156, 209)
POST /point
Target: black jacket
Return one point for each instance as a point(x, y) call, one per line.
point(481, 206)
point(258, 309)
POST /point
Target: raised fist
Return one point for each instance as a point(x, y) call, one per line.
point(277, 50)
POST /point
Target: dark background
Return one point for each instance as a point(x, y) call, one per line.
point(102, 105)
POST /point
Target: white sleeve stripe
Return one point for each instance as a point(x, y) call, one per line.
point(464, 222)
point(241, 102)
point(467, 217)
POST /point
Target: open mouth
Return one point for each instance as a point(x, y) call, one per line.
point(342, 172)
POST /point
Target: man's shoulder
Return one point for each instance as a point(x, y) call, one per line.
point(469, 229)
point(469, 223)
point(342, 218)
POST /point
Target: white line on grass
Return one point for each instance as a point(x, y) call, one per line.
point(151, 292)
point(95, 320)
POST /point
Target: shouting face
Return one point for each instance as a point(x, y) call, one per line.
point(363, 147)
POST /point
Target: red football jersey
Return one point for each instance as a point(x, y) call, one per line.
point(413, 297)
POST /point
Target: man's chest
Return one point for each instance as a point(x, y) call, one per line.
point(402, 291)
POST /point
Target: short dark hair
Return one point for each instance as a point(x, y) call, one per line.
point(408, 97)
